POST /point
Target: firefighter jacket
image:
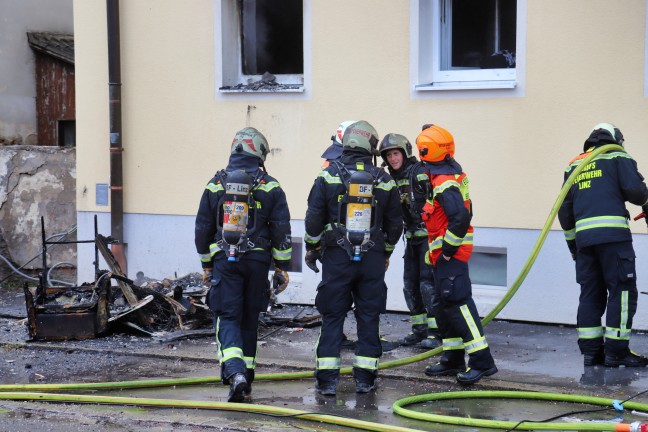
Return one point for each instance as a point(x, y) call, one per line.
point(413, 185)
point(326, 213)
point(594, 211)
point(268, 228)
point(448, 211)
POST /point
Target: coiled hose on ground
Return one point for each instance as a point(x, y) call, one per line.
point(25, 392)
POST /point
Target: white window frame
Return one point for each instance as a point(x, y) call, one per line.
point(426, 38)
point(228, 62)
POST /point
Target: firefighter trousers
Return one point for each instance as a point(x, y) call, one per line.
point(418, 288)
point(457, 317)
point(345, 282)
point(239, 292)
point(608, 280)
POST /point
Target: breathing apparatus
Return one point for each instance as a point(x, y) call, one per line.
point(236, 205)
point(359, 200)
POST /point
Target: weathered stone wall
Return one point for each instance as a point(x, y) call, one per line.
point(36, 181)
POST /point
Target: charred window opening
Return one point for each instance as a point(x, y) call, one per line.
point(481, 35)
point(67, 133)
point(271, 36)
point(262, 45)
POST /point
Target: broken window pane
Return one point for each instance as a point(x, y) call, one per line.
point(271, 36)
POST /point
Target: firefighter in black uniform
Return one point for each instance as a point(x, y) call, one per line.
point(418, 277)
point(242, 228)
point(353, 221)
point(595, 222)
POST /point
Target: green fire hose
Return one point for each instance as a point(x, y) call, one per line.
point(25, 392)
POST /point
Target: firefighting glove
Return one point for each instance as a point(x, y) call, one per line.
point(207, 276)
point(279, 280)
point(311, 259)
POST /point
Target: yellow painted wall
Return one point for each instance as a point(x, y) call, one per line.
point(584, 65)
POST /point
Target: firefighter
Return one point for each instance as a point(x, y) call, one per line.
point(447, 214)
point(352, 223)
point(418, 278)
point(595, 222)
point(334, 151)
point(242, 229)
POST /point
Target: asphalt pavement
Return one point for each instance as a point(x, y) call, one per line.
point(529, 357)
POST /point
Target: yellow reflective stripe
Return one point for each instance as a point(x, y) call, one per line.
point(205, 257)
point(453, 344)
point(328, 178)
point(421, 177)
point(391, 184)
point(281, 255)
point(250, 362)
point(403, 182)
point(436, 243)
point(389, 247)
point(213, 187)
point(589, 332)
point(432, 323)
point(452, 239)
point(267, 187)
point(468, 318)
point(420, 233)
point(445, 185)
point(360, 166)
point(617, 334)
point(370, 363)
point(230, 353)
point(328, 363)
point(312, 239)
point(570, 234)
point(622, 333)
point(476, 345)
point(602, 222)
point(418, 319)
point(213, 249)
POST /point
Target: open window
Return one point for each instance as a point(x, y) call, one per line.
point(467, 44)
point(262, 45)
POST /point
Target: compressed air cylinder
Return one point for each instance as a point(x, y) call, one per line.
point(235, 211)
point(358, 217)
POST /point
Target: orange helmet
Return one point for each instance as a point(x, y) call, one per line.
point(435, 143)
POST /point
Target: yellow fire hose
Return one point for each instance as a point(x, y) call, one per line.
point(25, 392)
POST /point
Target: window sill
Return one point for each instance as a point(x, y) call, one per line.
point(466, 85)
point(281, 88)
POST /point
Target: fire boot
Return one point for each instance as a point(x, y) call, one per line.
point(595, 358)
point(430, 343)
point(631, 359)
point(444, 369)
point(413, 338)
point(238, 386)
point(471, 376)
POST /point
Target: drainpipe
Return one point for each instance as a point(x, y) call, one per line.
point(116, 172)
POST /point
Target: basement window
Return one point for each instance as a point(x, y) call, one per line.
point(262, 45)
point(467, 44)
point(488, 266)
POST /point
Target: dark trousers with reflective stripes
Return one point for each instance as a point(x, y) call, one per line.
point(239, 292)
point(345, 282)
point(418, 279)
point(456, 313)
point(608, 280)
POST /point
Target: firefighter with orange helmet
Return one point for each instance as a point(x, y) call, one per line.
point(418, 278)
point(595, 222)
point(447, 215)
point(242, 228)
